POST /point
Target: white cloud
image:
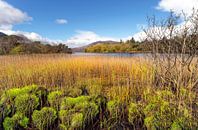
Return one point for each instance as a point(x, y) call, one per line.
point(178, 6)
point(159, 32)
point(30, 35)
point(6, 27)
point(10, 16)
point(61, 21)
point(140, 36)
point(86, 37)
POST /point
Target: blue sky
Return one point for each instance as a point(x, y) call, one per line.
point(67, 20)
point(113, 18)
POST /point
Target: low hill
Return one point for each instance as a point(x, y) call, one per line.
point(129, 46)
point(82, 48)
point(15, 44)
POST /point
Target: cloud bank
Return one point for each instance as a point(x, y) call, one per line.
point(82, 38)
point(178, 5)
point(10, 16)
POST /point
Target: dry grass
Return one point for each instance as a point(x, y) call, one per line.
point(65, 71)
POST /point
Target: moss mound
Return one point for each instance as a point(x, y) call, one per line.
point(33, 107)
point(55, 99)
point(77, 112)
point(18, 121)
point(26, 103)
point(44, 118)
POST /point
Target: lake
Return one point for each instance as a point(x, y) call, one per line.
point(111, 54)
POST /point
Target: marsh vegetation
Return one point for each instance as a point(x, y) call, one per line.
point(96, 92)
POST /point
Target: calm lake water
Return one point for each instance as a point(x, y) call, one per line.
point(111, 54)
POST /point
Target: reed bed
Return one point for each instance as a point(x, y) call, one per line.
point(64, 71)
point(133, 99)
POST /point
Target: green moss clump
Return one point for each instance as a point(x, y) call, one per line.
point(185, 120)
point(77, 120)
point(150, 123)
point(160, 112)
point(116, 114)
point(31, 89)
point(9, 95)
point(163, 111)
point(7, 103)
point(77, 111)
point(12, 93)
point(40, 92)
point(63, 127)
point(5, 110)
point(89, 109)
point(54, 99)
point(65, 117)
point(17, 121)
point(26, 103)
point(176, 126)
point(69, 102)
point(9, 124)
point(44, 118)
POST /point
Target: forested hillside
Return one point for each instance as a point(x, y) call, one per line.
point(21, 45)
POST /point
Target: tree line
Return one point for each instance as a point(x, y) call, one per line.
point(129, 46)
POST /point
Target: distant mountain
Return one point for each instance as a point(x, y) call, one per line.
point(2, 34)
point(82, 48)
point(102, 42)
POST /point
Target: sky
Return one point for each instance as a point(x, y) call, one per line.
point(80, 22)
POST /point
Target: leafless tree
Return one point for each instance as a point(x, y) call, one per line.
point(174, 46)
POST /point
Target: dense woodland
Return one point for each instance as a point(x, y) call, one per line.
point(21, 45)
